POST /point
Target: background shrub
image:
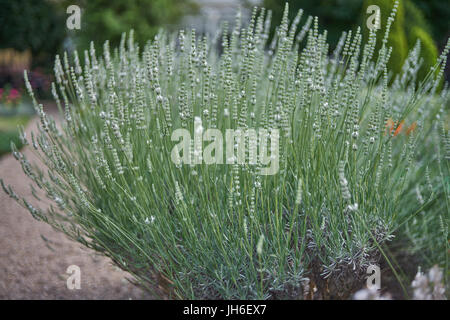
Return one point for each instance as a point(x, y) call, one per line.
point(108, 19)
point(37, 25)
point(437, 13)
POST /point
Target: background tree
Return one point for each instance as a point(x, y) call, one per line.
point(107, 19)
point(438, 12)
point(37, 25)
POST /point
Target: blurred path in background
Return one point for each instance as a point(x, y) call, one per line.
point(29, 269)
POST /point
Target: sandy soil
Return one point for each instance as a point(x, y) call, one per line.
point(30, 268)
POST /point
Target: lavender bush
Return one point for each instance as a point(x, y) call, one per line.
point(349, 131)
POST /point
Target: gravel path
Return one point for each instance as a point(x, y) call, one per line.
point(32, 269)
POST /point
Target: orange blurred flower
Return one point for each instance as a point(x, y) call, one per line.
point(392, 125)
point(411, 128)
point(399, 128)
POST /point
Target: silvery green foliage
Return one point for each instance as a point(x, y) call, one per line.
point(197, 228)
